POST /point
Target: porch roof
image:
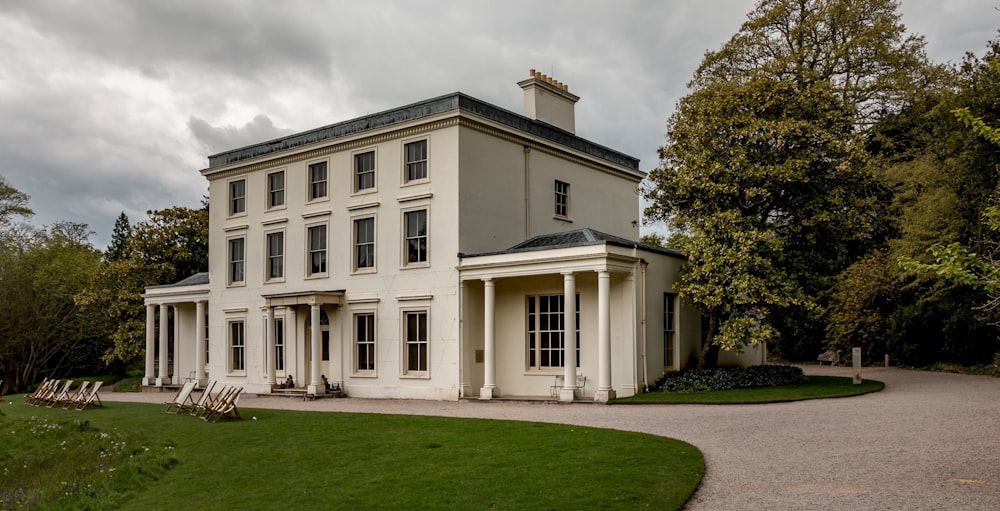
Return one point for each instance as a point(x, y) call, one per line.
point(576, 238)
point(305, 298)
point(189, 289)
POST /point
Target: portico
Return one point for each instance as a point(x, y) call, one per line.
point(313, 301)
point(176, 342)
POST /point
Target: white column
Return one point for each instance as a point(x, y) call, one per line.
point(294, 359)
point(175, 378)
point(148, 378)
point(315, 338)
point(162, 376)
point(604, 392)
point(489, 390)
point(269, 348)
point(199, 343)
point(568, 392)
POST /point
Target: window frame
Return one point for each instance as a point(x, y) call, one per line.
point(276, 196)
point(370, 342)
point(310, 250)
point(561, 199)
point(669, 328)
point(236, 205)
point(269, 257)
point(405, 223)
point(312, 183)
point(405, 342)
point(407, 162)
point(232, 264)
point(279, 344)
point(356, 245)
point(236, 362)
point(356, 173)
point(537, 349)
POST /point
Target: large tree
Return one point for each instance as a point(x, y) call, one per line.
point(765, 174)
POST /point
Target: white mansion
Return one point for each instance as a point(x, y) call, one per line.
point(438, 250)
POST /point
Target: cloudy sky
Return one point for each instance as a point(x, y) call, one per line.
point(111, 106)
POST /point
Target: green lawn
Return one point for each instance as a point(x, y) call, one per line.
point(818, 387)
point(132, 456)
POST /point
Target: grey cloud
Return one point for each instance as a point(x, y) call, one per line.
point(216, 139)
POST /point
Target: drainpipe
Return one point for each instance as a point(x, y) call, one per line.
point(642, 314)
point(527, 194)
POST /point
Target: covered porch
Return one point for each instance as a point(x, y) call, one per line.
point(312, 351)
point(176, 332)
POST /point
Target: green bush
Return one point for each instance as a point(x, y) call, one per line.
point(729, 378)
point(130, 384)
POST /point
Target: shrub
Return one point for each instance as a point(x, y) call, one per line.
point(702, 380)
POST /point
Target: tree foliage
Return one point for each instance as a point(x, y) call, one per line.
point(118, 248)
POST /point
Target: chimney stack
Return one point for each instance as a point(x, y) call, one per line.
point(549, 100)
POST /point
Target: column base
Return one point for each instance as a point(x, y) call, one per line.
point(147, 380)
point(317, 390)
point(567, 394)
point(161, 382)
point(603, 396)
point(487, 393)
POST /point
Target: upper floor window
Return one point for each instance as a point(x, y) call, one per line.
point(364, 171)
point(546, 331)
point(317, 249)
point(364, 243)
point(317, 180)
point(669, 327)
point(562, 199)
point(275, 255)
point(237, 259)
point(237, 197)
point(416, 161)
point(276, 189)
point(415, 232)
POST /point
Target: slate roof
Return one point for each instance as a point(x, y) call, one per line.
point(193, 280)
point(426, 108)
point(577, 238)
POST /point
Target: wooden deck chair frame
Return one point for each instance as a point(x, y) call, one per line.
point(182, 401)
point(56, 393)
point(72, 397)
point(88, 400)
point(215, 400)
point(204, 399)
point(226, 407)
point(41, 388)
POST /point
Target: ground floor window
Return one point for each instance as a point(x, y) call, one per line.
point(237, 346)
point(415, 340)
point(546, 331)
point(364, 342)
point(279, 344)
point(669, 327)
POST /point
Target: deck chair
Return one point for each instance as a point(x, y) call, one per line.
point(41, 388)
point(204, 399)
point(214, 400)
point(88, 399)
point(56, 393)
point(182, 401)
point(225, 407)
point(80, 392)
point(65, 395)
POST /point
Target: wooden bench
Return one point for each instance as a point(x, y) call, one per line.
point(831, 356)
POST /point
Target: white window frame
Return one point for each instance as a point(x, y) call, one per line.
point(534, 317)
point(406, 237)
point(280, 353)
point(561, 199)
point(356, 176)
point(405, 342)
point(270, 257)
point(370, 342)
point(669, 328)
point(356, 246)
point(407, 162)
point(276, 197)
point(232, 262)
point(236, 204)
point(309, 250)
point(311, 195)
point(236, 344)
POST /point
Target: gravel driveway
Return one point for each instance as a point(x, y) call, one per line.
point(928, 441)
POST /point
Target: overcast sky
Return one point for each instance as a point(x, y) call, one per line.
point(111, 106)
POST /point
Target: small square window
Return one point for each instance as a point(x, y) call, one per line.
point(276, 189)
point(364, 171)
point(416, 161)
point(562, 199)
point(317, 180)
point(237, 197)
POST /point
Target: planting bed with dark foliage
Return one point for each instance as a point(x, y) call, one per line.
point(729, 378)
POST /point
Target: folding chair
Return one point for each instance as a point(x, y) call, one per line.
point(56, 393)
point(225, 407)
point(77, 396)
point(88, 400)
point(204, 399)
point(181, 400)
point(39, 390)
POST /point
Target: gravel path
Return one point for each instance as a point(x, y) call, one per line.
point(928, 441)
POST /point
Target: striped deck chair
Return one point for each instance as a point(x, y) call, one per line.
point(182, 401)
point(57, 392)
point(88, 399)
point(66, 395)
point(225, 407)
point(77, 396)
point(214, 400)
point(204, 399)
point(42, 387)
